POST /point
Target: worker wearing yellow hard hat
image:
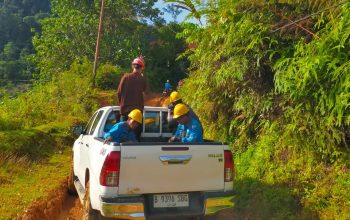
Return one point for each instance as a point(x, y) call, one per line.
point(180, 110)
point(124, 131)
point(175, 98)
point(189, 129)
point(136, 115)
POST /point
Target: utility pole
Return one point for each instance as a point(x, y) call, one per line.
point(98, 42)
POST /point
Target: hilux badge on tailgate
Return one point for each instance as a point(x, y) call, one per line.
point(130, 157)
point(215, 155)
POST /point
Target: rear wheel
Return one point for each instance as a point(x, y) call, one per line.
point(70, 185)
point(89, 213)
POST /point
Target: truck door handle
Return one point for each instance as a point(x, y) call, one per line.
point(175, 159)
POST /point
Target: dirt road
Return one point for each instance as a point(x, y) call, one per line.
point(72, 210)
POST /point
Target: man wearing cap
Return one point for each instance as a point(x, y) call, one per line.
point(189, 129)
point(124, 131)
point(131, 89)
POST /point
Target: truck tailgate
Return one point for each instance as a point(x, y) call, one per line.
point(171, 168)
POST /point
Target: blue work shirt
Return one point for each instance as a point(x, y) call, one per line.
point(191, 133)
point(167, 86)
point(120, 133)
point(172, 122)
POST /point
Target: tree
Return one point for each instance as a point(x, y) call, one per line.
point(130, 29)
point(10, 52)
point(173, 10)
point(17, 20)
point(70, 33)
point(162, 48)
point(278, 91)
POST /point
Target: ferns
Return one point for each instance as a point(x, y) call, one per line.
point(318, 75)
point(238, 60)
point(281, 99)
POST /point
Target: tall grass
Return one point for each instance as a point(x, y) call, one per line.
point(281, 99)
point(38, 122)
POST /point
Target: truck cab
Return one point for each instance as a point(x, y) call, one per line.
point(151, 178)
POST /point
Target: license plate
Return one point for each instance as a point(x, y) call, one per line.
point(170, 200)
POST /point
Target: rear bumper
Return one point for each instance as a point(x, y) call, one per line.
point(137, 208)
point(123, 208)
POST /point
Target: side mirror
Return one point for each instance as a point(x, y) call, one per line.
point(78, 130)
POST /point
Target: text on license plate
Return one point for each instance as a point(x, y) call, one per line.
point(170, 200)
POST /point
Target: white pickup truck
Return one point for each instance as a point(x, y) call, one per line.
point(150, 179)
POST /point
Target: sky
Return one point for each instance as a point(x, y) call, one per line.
point(167, 16)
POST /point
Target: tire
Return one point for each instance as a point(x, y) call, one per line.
point(70, 184)
point(88, 212)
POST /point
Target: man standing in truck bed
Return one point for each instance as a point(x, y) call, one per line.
point(131, 90)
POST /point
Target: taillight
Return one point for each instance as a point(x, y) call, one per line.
point(110, 170)
point(228, 175)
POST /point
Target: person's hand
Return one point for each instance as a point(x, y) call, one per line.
point(173, 139)
point(107, 140)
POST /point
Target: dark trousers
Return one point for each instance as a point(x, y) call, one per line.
point(138, 130)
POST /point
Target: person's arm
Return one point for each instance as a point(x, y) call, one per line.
point(107, 135)
point(107, 140)
point(193, 134)
point(177, 136)
point(120, 88)
point(192, 138)
point(145, 86)
point(112, 135)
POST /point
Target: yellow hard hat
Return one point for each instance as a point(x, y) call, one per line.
point(136, 115)
point(180, 110)
point(174, 96)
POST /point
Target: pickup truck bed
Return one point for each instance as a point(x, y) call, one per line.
point(152, 178)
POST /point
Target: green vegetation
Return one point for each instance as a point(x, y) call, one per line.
point(126, 35)
point(35, 128)
point(23, 181)
point(278, 94)
point(280, 97)
point(37, 122)
point(18, 21)
point(108, 77)
point(35, 125)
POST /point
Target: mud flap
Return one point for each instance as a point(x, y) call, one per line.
point(80, 190)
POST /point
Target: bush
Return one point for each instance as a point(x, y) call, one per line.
point(281, 101)
point(31, 143)
point(39, 142)
point(68, 94)
point(108, 77)
point(38, 122)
